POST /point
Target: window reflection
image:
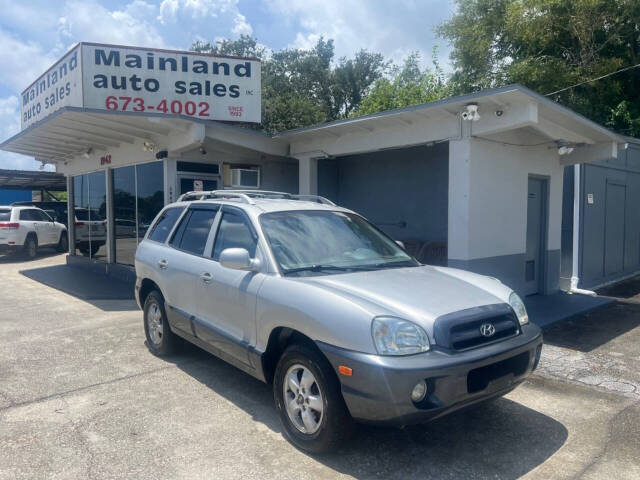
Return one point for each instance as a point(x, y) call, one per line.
point(90, 210)
point(138, 196)
point(150, 194)
point(124, 211)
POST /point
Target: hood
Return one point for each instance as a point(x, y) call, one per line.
point(420, 294)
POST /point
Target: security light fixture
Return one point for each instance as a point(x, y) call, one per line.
point(88, 152)
point(148, 147)
point(202, 150)
point(564, 148)
point(471, 112)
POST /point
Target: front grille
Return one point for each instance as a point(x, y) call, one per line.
point(478, 379)
point(462, 330)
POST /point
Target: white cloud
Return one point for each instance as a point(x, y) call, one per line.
point(21, 62)
point(168, 11)
point(9, 126)
point(90, 21)
point(241, 26)
point(393, 29)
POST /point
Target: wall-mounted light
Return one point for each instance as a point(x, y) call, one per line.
point(564, 150)
point(202, 150)
point(148, 147)
point(88, 153)
point(471, 112)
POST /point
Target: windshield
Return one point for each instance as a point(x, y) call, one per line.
point(322, 242)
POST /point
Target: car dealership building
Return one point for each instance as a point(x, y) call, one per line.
point(474, 182)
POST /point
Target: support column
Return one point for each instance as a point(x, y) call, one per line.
point(307, 175)
point(71, 217)
point(575, 264)
point(111, 238)
point(459, 202)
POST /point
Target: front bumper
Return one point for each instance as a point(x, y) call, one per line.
point(379, 389)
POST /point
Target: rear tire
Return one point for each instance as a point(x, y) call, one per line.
point(160, 339)
point(63, 244)
point(313, 414)
point(31, 247)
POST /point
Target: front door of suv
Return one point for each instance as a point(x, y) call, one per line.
point(227, 298)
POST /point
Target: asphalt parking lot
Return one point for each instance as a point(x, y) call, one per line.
point(82, 398)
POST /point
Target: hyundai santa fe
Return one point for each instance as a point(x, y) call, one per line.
point(336, 316)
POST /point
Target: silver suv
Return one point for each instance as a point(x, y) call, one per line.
point(317, 301)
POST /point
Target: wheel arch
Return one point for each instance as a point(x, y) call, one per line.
point(279, 339)
point(146, 287)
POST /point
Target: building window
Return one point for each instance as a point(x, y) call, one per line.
point(138, 196)
point(90, 205)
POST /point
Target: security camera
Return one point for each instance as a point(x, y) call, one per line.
point(499, 113)
point(162, 154)
point(471, 112)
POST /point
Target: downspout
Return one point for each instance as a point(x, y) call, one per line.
point(577, 195)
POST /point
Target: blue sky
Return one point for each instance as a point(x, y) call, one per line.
point(35, 33)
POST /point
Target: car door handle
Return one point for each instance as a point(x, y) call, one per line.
point(206, 277)
point(163, 264)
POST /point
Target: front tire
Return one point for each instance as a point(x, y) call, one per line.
point(31, 247)
point(308, 399)
point(160, 339)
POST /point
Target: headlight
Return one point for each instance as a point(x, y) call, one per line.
point(394, 336)
point(518, 307)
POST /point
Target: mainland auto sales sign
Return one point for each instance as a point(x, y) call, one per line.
point(147, 81)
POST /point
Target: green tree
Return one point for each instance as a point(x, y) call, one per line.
point(303, 87)
point(408, 85)
point(548, 45)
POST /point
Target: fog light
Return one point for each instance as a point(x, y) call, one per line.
point(419, 391)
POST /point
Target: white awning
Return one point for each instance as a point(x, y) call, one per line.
point(70, 132)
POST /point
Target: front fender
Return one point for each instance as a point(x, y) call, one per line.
point(321, 315)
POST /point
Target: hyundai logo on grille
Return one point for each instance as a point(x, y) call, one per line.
point(487, 330)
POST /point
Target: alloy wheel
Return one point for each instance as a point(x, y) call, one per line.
point(303, 399)
point(154, 323)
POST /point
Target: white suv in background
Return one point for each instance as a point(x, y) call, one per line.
point(28, 228)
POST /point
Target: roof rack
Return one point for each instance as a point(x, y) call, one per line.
point(248, 195)
point(202, 195)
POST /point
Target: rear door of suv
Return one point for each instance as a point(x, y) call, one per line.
point(179, 265)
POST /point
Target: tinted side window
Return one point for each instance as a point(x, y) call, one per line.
point(164, 224)
point(27, 215)
point(234, 232)
point(42, 216)
point(193, 231)
point(5, 215)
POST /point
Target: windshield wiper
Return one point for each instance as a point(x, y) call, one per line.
point(397, 264)
point(320, 268)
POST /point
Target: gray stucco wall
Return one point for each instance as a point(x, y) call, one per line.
point(610, 226)
point(509, 269)
point(279, 175)
point(403, 191)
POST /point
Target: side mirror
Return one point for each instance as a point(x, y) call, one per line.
point(238, 259)
point(401, 244)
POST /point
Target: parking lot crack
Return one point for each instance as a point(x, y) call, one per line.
point(86, 387)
